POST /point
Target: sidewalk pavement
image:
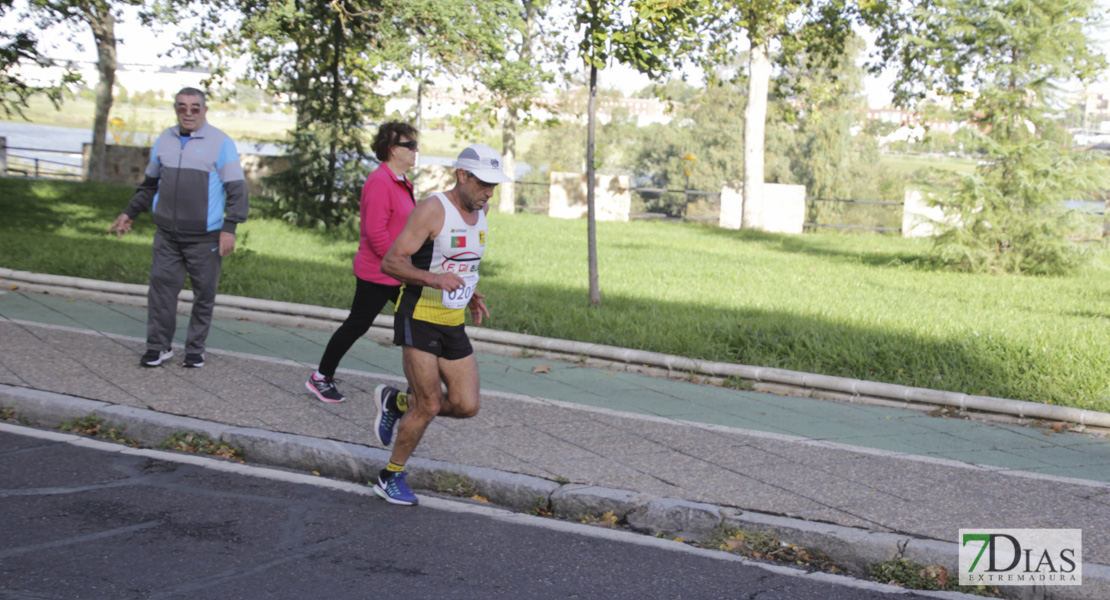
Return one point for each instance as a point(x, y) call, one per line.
point(862, 483)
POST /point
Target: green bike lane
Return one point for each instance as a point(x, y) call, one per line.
point(1002, 446)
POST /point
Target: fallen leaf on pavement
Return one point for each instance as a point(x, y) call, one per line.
point(541, 369)
point(937, 572)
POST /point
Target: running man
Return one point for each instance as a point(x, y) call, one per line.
point(436, 257)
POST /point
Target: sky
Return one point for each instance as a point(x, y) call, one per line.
point(139, 45)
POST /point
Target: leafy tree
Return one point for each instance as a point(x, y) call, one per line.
point(968, 141)
point(657, 154)
point(513, 79)
point(558, 146)
point(1001, 61)
point(674, 89)
point(816, 28)
point(100, 16)
point(516, 83)
point(878, 128)
point(821, 100)
point(647, 35)
point(452, 37)
point(14, 92)
point(814, 106)
point(21, 47)
point(323, 56)
point(705, 126)
point(326, 58)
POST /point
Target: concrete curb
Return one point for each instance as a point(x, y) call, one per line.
point(853, 549)
point(766, 379)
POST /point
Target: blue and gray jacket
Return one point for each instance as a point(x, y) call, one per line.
point(194, 184)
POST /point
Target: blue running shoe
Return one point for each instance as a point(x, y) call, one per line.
point(387, 418)
point(393, 489)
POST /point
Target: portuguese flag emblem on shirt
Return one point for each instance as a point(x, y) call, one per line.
point(458, 241)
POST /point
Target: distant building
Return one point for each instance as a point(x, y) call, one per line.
point(913, 120)
point(1095, 102)
point(646, 110)
point(910, 125)
point(443, 102)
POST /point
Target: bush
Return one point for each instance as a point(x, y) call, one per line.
point(1010, 215)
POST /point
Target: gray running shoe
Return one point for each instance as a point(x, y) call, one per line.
point(324, 389)
point(153, 358)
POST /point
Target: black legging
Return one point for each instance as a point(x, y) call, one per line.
point(370, 299)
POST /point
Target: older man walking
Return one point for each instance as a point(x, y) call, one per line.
point(194, 187)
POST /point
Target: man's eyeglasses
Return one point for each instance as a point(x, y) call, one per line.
point(411, 145)
point(189, 110)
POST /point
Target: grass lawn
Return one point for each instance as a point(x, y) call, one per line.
point(852, 306)
point(908, 165)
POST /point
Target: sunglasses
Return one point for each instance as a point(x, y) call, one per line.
point(188, 110)
point(412, 145)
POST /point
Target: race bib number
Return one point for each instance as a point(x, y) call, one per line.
point(460, 297)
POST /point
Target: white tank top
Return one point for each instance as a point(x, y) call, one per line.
point(458, 249)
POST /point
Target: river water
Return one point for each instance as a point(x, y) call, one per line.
point(51, 144)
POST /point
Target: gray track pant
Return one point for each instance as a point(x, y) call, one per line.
point(172, 261)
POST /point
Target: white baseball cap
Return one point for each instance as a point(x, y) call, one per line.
point(484, 162)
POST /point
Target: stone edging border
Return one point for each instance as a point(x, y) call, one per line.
point(766, 379)
point(852, 549)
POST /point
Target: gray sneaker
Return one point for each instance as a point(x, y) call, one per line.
point(324, 389)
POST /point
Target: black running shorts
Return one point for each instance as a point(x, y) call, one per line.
point(449, 342)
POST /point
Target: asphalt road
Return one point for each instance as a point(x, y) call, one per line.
point(91, 520)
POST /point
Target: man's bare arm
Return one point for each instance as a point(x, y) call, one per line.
point(424, 224)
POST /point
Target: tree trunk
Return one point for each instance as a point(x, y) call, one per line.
point(755, 124)
point(591, 213)
point(507, 203)
point(512, 117)
point(333, 133)
point(103, 24)
point(419, 101)
point(419, 74)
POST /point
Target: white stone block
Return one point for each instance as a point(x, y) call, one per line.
point(783, 207)
point(919, 219)
point(612, 196)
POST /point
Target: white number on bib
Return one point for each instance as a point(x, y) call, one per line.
point(460, 297)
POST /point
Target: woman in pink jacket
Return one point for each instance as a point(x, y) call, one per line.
point(387, 200)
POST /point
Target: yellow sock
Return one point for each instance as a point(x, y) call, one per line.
point(393, 467)
point(402, 401)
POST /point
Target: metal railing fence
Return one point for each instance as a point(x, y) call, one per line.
point(812, 224)
point(533, 196)
point(707, 210)
point(37, 167)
